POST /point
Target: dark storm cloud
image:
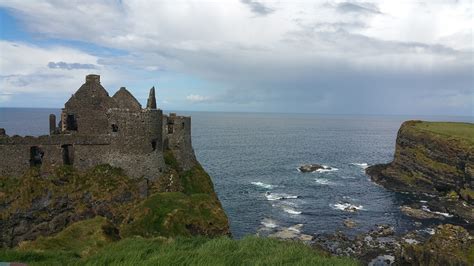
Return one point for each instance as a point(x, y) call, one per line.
point(364, 8)
point(70, 66)
point(257, 7)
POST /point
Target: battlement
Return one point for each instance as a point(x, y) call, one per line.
point(95, 128)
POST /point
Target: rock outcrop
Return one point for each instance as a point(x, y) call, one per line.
point(436, 158)
point(450, 245)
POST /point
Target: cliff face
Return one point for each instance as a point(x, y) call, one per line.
point(432, 157)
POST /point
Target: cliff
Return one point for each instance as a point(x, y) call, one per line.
point(178, 203)
point(436, 158)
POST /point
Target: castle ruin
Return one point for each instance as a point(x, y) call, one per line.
point(95, 128)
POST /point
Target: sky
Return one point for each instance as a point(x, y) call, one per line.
point(330, 57)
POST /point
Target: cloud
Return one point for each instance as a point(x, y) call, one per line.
point(69, 66)
point(41, 73)
point(304, 58)
point(257, 7)
point(362, 7)
point(196, 98)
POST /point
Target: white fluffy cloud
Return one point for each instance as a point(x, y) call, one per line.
point(274, 51)
point(196, 98)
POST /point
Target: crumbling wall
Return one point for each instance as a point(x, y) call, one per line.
point(177, 138)
point(98, 129)
point(16, 153)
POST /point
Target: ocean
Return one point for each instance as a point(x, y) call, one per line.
point(253, 160)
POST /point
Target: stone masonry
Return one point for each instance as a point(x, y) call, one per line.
point(95, 128)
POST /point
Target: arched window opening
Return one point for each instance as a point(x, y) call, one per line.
point(68, 154)
point(36, 156)
point(114, 128)
point(71, 122)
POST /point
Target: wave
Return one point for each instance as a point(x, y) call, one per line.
point(263, 185)
point(296, 228)
point(349, 177)
point(361, 165)
point(291, 211)
point(347, 207)
point(324, 181)
point(269, 223)
point(279, 196)
point(426, 209)
point(326, 169)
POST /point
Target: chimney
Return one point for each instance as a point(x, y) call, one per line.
point(93, 78)
point(151, 103)
point(52, 124)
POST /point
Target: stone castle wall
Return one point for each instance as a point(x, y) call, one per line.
point(95, 128)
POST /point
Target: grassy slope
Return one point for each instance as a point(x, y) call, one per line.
point(82, 238)
point(187, 251)
point(172, 214)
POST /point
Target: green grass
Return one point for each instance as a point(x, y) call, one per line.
point(188, 251)
point(196, 180)
point(464, 131)
point(173, 214)
point(82, 238)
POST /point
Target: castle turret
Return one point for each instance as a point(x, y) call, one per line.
point(151, 103)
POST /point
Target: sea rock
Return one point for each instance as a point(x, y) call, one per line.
point(382, 230)
point(309, 168)
point(292, 232)
point(419, 213)
point(349, 223)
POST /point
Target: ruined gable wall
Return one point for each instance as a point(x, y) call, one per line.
point(89, 106)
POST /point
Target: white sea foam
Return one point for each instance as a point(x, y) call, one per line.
point(269, 223)
point(326, 169)
point(291, 211)
point(279, 196)
point(426, 209)
point(349, 177)
point(323, 181)
point(430, 231)
point(263, 185)
point(347, 206)
point(361, 165)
